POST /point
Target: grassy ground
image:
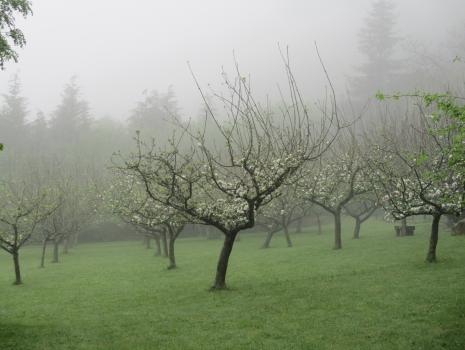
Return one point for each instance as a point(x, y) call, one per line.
point(376, 293)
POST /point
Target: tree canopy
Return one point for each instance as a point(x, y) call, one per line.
point(10, 35)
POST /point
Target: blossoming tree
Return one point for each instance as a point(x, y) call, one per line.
point(73, 211)
point(412, 172)
point(22, 207)
point(361, 208)
point(336, 181)
point(123, 201)
point(223, 183)
point(282, 212)
point(130, 202)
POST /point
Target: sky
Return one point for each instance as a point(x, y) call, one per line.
point(117, 49)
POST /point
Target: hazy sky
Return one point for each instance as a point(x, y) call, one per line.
point(119, 48)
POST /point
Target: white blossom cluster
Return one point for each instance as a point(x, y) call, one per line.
point(230, 211)
point(22, 208)
point(335, 181)
point(286, 208)
point(408, 187)
point(127, 198)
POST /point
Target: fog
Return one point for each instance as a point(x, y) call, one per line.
point(307, 157)
point(118, 49)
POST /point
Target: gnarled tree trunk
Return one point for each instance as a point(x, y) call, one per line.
point(403, 227)
point(164, 244)
point(298, 228)
point(65, 245)
point(171, 256)
point(222, 266)
point(16, 265)
point(56, 245)
point(42, 257)
point(358, 223)
point(337, 229)
point(75, 239)
point(288, 237)
point(158, 246)
point(269, 236)
point(433, 241)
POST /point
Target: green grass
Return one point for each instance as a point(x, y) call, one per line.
point(376, 293)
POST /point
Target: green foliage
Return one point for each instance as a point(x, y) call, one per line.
point(422, 158)
point(10, 35)
point(452, 108)
point(380, 96)
point(375, 294)
point(448, 117)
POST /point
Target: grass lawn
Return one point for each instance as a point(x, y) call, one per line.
point(375, 293)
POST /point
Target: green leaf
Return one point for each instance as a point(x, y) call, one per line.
point(380, 96)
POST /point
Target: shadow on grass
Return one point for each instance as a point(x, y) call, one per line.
point(19, 336)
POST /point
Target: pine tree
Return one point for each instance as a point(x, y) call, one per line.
point(378, 44)
point(13, 115)
point(151, 116)
point(38, 132)
point(71, 118)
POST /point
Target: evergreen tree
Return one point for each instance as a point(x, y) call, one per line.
point(378, 44)
point(151, 115)
point(13, 115)
point(38, 132)
point(71, 118)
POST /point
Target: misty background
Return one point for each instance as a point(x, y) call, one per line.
point(117, 49)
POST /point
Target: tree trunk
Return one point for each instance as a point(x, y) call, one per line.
point(42, 258)
point(55, 251)
point(268, 238)
point(220, 278)
point(147, 242)
point(75, 239)
point(65, 246)
point(358, 223)
point(288, 237)
point(318, 221)
point(337, 229)
point(17, 269)
point(158, 247)
point(403, 227)
point(165, 244)
point(433, 241)
point(171, 256)
point(298, 228)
